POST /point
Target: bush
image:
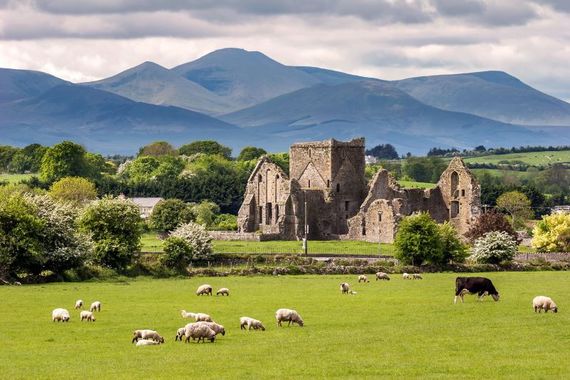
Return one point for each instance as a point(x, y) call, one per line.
point(177, 253)
point(552, 233)
point(493, 248)
point(76, 190)
point(452, 246)
point(418, 240)
point(225, 222)
point(169, 214)
point(490, 221)
point(197, 238)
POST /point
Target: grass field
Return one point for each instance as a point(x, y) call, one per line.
point(531, 158)
point(15, 178)
point(417, 185)
point(389, 329)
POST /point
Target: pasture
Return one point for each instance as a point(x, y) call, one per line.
point(530, 158)
point(14, 178)
point(401, 328)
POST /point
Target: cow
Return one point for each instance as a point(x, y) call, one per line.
point(480, 285)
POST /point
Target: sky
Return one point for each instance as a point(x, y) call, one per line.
point(84, 40)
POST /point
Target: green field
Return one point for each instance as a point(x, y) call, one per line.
point(388, 329)
point(417, 185)
point(14, 178)
point(531, 158)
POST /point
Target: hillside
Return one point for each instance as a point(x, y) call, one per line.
point(531, 158)
point(20, 84)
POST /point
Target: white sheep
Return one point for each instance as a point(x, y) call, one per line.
point(544, 303)
point(78, 304)
point(344, 288)
point(363, 278)
point(288, 315)
point(95, 306)
point(199, 331)
point(87, 315)
point(417, 276)
point(218, 329)
point(180, 333)
point(223, 292)
point(147, 334)
point(196, 316)
point(60, 315)
point(204, 289)
point(147, 342)
point(251, 324)
point(382, 276)
point(406, 276)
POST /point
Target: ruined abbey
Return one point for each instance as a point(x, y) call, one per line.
point(326, 190)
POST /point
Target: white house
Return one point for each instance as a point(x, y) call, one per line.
point(146, 205)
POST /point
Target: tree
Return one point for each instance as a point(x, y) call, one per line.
point(490, 221)
point(205, 213)
point(28, 159)
point(207, 147)
point(115, 227)
point(552, 233)
point(452, 246)
point(65, 159)
point(424, 169)
point(250, 153)
point(196, 237)
point(383, 151)
point(178, 253)
point(169, 214)
point(157, 149)
point(517, 205)
point(418, 240)
point(75, 190)
point(493, 248)
point(7, 153)
point(225, 222)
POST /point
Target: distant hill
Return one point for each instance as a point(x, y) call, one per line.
point(20, 84)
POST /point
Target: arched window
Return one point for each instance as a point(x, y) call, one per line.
point(454, 185)
point(259, 178)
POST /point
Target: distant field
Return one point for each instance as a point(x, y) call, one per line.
point(531, 158)
point(502, 173)
point(15, 178)
point(389, 329)
point(417, 185)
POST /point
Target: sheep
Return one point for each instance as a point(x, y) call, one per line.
point(223, 292)
point(197, 316)
point(344, 288)
point(382, 276)
point(406, 276)
point(78, 304)
point(60, 315)
point(199, 330)
point(147, 342)
point(250, 323)
point(284, 315)
point(363, 278)
point(147, 334)
point(218, 329)
point(87, 315)
point(544, 303)
point(204, 289)
point(417, 276)
point(95, 306)
point(180, 333)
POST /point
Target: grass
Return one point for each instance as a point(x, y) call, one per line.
point(15, 178)
point(417, 185)
point(392, 329)
point(531, 158)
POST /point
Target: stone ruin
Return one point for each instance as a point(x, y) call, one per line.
point(327, 192)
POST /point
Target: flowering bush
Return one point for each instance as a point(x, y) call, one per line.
point(197, 238)
point(552, 233)
point(494, 247)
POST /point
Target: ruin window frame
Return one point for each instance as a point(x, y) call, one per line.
point(454, 209)
point(338, 187)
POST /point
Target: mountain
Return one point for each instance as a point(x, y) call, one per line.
point(154, 84)
point(107, 122)
point(382, 113)
point(20, 84)
point(332, 77)
point(491, 94)
point(243, 77)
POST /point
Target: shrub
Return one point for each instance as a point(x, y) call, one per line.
point(76, 190)
point(225, 222)
point(452, 246)
point(552, 233)
point(418, 240)
point(490, 221)
point(169, 214)
point(493, 248)
point(197, 238)
point(177, 253)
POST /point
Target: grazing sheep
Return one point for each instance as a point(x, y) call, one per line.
point(251, 324)
point(204, 289)
point(197, 316)
point(147, 334)
point(223, 292)
point(352, 292)
point(87, 315)
point(180, 333)
point(200, 331)
point(382, 276)
point(218, 329)
point(406, 276)
point(288, 315)
point(78, 304)
point(344, 288)
point(17, 283)
point(417, 276)
point(60, 315)
point(363, 278)
point(147, 342)
point(95, 306)
point(544, 303)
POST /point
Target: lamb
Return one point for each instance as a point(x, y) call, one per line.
point(223, 292)
point(417, 276)
point(363, 278)
point(288, 315)
point(60, 315)
point(250, 323)
point(406, 276)
point(544, 303)
point(148, 335)
point(382, 276)
point(204, 289)
point(78, 304)
point(87, 315)
point(95, 306)
point(197, 316)
point(147, 342)
point(344, 288)
point(201, 331)
point(180, 333)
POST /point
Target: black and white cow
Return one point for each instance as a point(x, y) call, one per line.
point(480, 285)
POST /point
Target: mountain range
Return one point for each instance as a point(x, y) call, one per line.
point(246, 98)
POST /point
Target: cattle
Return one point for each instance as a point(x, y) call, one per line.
point(480, 285)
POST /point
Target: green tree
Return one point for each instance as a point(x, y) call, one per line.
point(250, 153)
point(7, 153)
point(453, 248)
point(205, 213)
point(157, 149)
point(418, 240)
point(383, 152)
point(424, 169)
point(169, 214)
point(76, 190)
point(225, 222)
point(65, 159)
point(493, 248)
point(178, 253)
point(552, 233)
point(517, 205)
point(115, 227)
point(207, 147)
point(141, 169)
point(28, 159)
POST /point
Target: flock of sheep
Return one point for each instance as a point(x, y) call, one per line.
point(62, 315)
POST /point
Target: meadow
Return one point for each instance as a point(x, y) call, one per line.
point(15, 178)
point(398, 328)
point(530, 158)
